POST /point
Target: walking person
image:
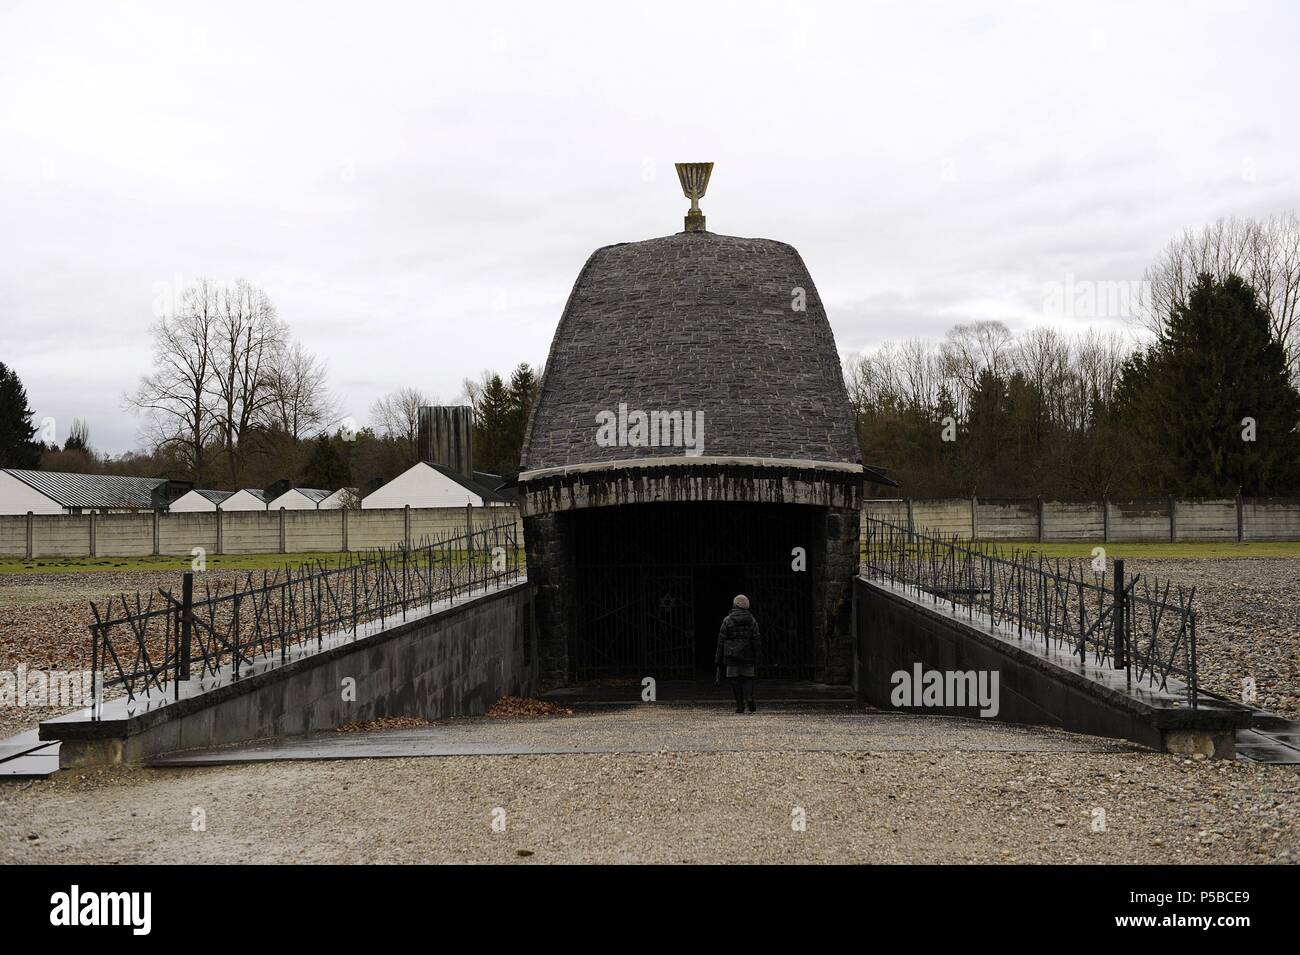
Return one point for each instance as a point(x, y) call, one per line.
point(738, 650)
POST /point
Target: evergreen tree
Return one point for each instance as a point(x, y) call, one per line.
point(78, 437)
point(327, 465)
point(1134, 420)
point(523, 391)
point(17, 449)
point(492, 429)
point(1220, 403)
point(985, 433)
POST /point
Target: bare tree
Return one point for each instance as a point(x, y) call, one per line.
point(1264, 252)
point(471, 389)
point(78, 436)
point(1045, 418)
point(1275, 276)
point(1098, 359)
point(970, 349)
point(913, 374)
point(301, 403)
point(174, 396)
point(397, 416)
point(920, 373)
point(1042, 356)
point(249, 342)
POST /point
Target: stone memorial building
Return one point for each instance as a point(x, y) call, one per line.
point(692, 439)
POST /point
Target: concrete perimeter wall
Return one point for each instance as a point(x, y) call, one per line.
point(237, 532)
point(1154, 519)
point(456, 662)
point(260, 532)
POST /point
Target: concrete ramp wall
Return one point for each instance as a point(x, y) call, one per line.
point(456, 661)
point(897, 632)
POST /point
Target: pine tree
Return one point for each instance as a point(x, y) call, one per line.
point(326, 466)
point(1222, 406)
point(17, 449)
point(523, 390)
point(492, 429)
point(78, 437)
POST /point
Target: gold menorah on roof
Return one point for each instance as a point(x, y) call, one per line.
point(694, 177)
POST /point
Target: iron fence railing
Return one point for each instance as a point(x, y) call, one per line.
point(145, 644)
point(1133, 623)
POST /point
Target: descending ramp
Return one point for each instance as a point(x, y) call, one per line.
point(25, 756)
point(1039, 681)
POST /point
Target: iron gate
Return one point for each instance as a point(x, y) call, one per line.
point(654, 581)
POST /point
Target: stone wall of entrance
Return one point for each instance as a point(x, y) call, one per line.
point(833, 593)
point(548, 542)
point(552, 504)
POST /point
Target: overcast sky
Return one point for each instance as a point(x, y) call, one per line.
point(417, 185)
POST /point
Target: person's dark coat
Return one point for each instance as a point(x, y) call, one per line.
point(739, 642)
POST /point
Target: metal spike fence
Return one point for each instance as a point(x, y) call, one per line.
point(156, 642)
point(1132, 622)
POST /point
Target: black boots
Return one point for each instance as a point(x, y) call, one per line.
point(752, 707)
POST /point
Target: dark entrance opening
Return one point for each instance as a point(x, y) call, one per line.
point(655, 580)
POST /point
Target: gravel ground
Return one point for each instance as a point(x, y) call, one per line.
point(1247, 623)
point(915, 807)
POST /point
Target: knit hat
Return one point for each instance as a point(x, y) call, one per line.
point(741, 601)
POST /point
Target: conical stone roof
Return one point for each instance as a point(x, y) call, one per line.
point(698, 323)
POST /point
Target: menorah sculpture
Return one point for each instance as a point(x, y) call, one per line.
point(694, 177)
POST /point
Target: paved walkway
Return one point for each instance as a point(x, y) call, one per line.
point(658, 728)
